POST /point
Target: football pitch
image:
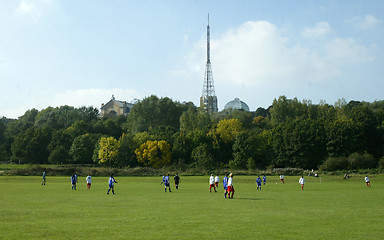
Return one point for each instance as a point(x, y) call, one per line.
point(328, 208)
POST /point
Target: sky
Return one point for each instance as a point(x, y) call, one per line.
point(80, 53)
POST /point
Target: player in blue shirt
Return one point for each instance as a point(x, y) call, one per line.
point(258, 181)
point(225, 184)
point(264, 179)
point(43, 182)
point(73, 181)
point(111, 183)
point(75, 176)
point(166, 183)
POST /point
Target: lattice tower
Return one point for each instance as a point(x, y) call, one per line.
point(208, 100)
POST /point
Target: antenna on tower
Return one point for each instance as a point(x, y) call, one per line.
point(208, 100)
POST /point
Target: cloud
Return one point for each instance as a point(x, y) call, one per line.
point(92, 97)
point(321, 29)
point(347, 50)
point(28, 9)
point(33, 9)
point(259, 54)
point(367, 22)
point(76, 98)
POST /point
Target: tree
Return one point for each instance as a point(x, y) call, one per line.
point(154, 153)
point(195, 119)
point(64, 116)
point(343, 137)
point(203, 158)
point(299, 143)
point(82, 148)
point(152, 112)
point(361, 161)
point(60, 138)
point(79, 127)
point(228, 129)
point(249, 151)
point(127, 155)
point(31, 146)
point(59, 155)
point(108, 150)
point(5, 142)
point(181, 150)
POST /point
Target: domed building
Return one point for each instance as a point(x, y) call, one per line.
point(236, 104)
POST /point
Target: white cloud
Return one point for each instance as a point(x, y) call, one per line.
point(347, 50)
point(320, 30)
point(33, 9)
point(92, 97)
point(258, 54)
point(76, 98)
point(367, 22)
point(28, 9)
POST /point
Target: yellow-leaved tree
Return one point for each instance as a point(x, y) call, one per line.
point(109, 150)
point(154, 153)
point(228, 129)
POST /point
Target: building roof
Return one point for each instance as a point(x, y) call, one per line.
point(236, 104)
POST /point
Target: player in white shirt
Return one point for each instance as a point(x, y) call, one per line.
point(217, 179)
point(89, 181)
point(302, 181)
point(367, 181)
point(212, 183)
point(230, 188)
point(282, 178)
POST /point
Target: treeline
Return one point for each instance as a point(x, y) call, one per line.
point(159, 132)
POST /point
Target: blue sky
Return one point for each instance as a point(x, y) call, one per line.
point(79, 53)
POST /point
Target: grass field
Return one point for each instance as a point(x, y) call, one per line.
point(330, 209)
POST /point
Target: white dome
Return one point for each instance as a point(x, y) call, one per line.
point(236, 104)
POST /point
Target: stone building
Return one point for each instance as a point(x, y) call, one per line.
point(115, 108)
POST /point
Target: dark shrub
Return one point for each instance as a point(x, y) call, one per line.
point(358, 161)
point(334, 163)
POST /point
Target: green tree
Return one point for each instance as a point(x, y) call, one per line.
point(60, 138)
point(343, 137)
point(59, 155)
point(195, 119)
point(361, 161)
point(83, 147)
point(181, 150)
point(249, 151)
point(203, 157)
point(31, 146)
point(5, 141)
point(127, 155)
point(21, 125)
point(64, 116)
point(79, 128)
point(299, 143)
point(152, 112)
